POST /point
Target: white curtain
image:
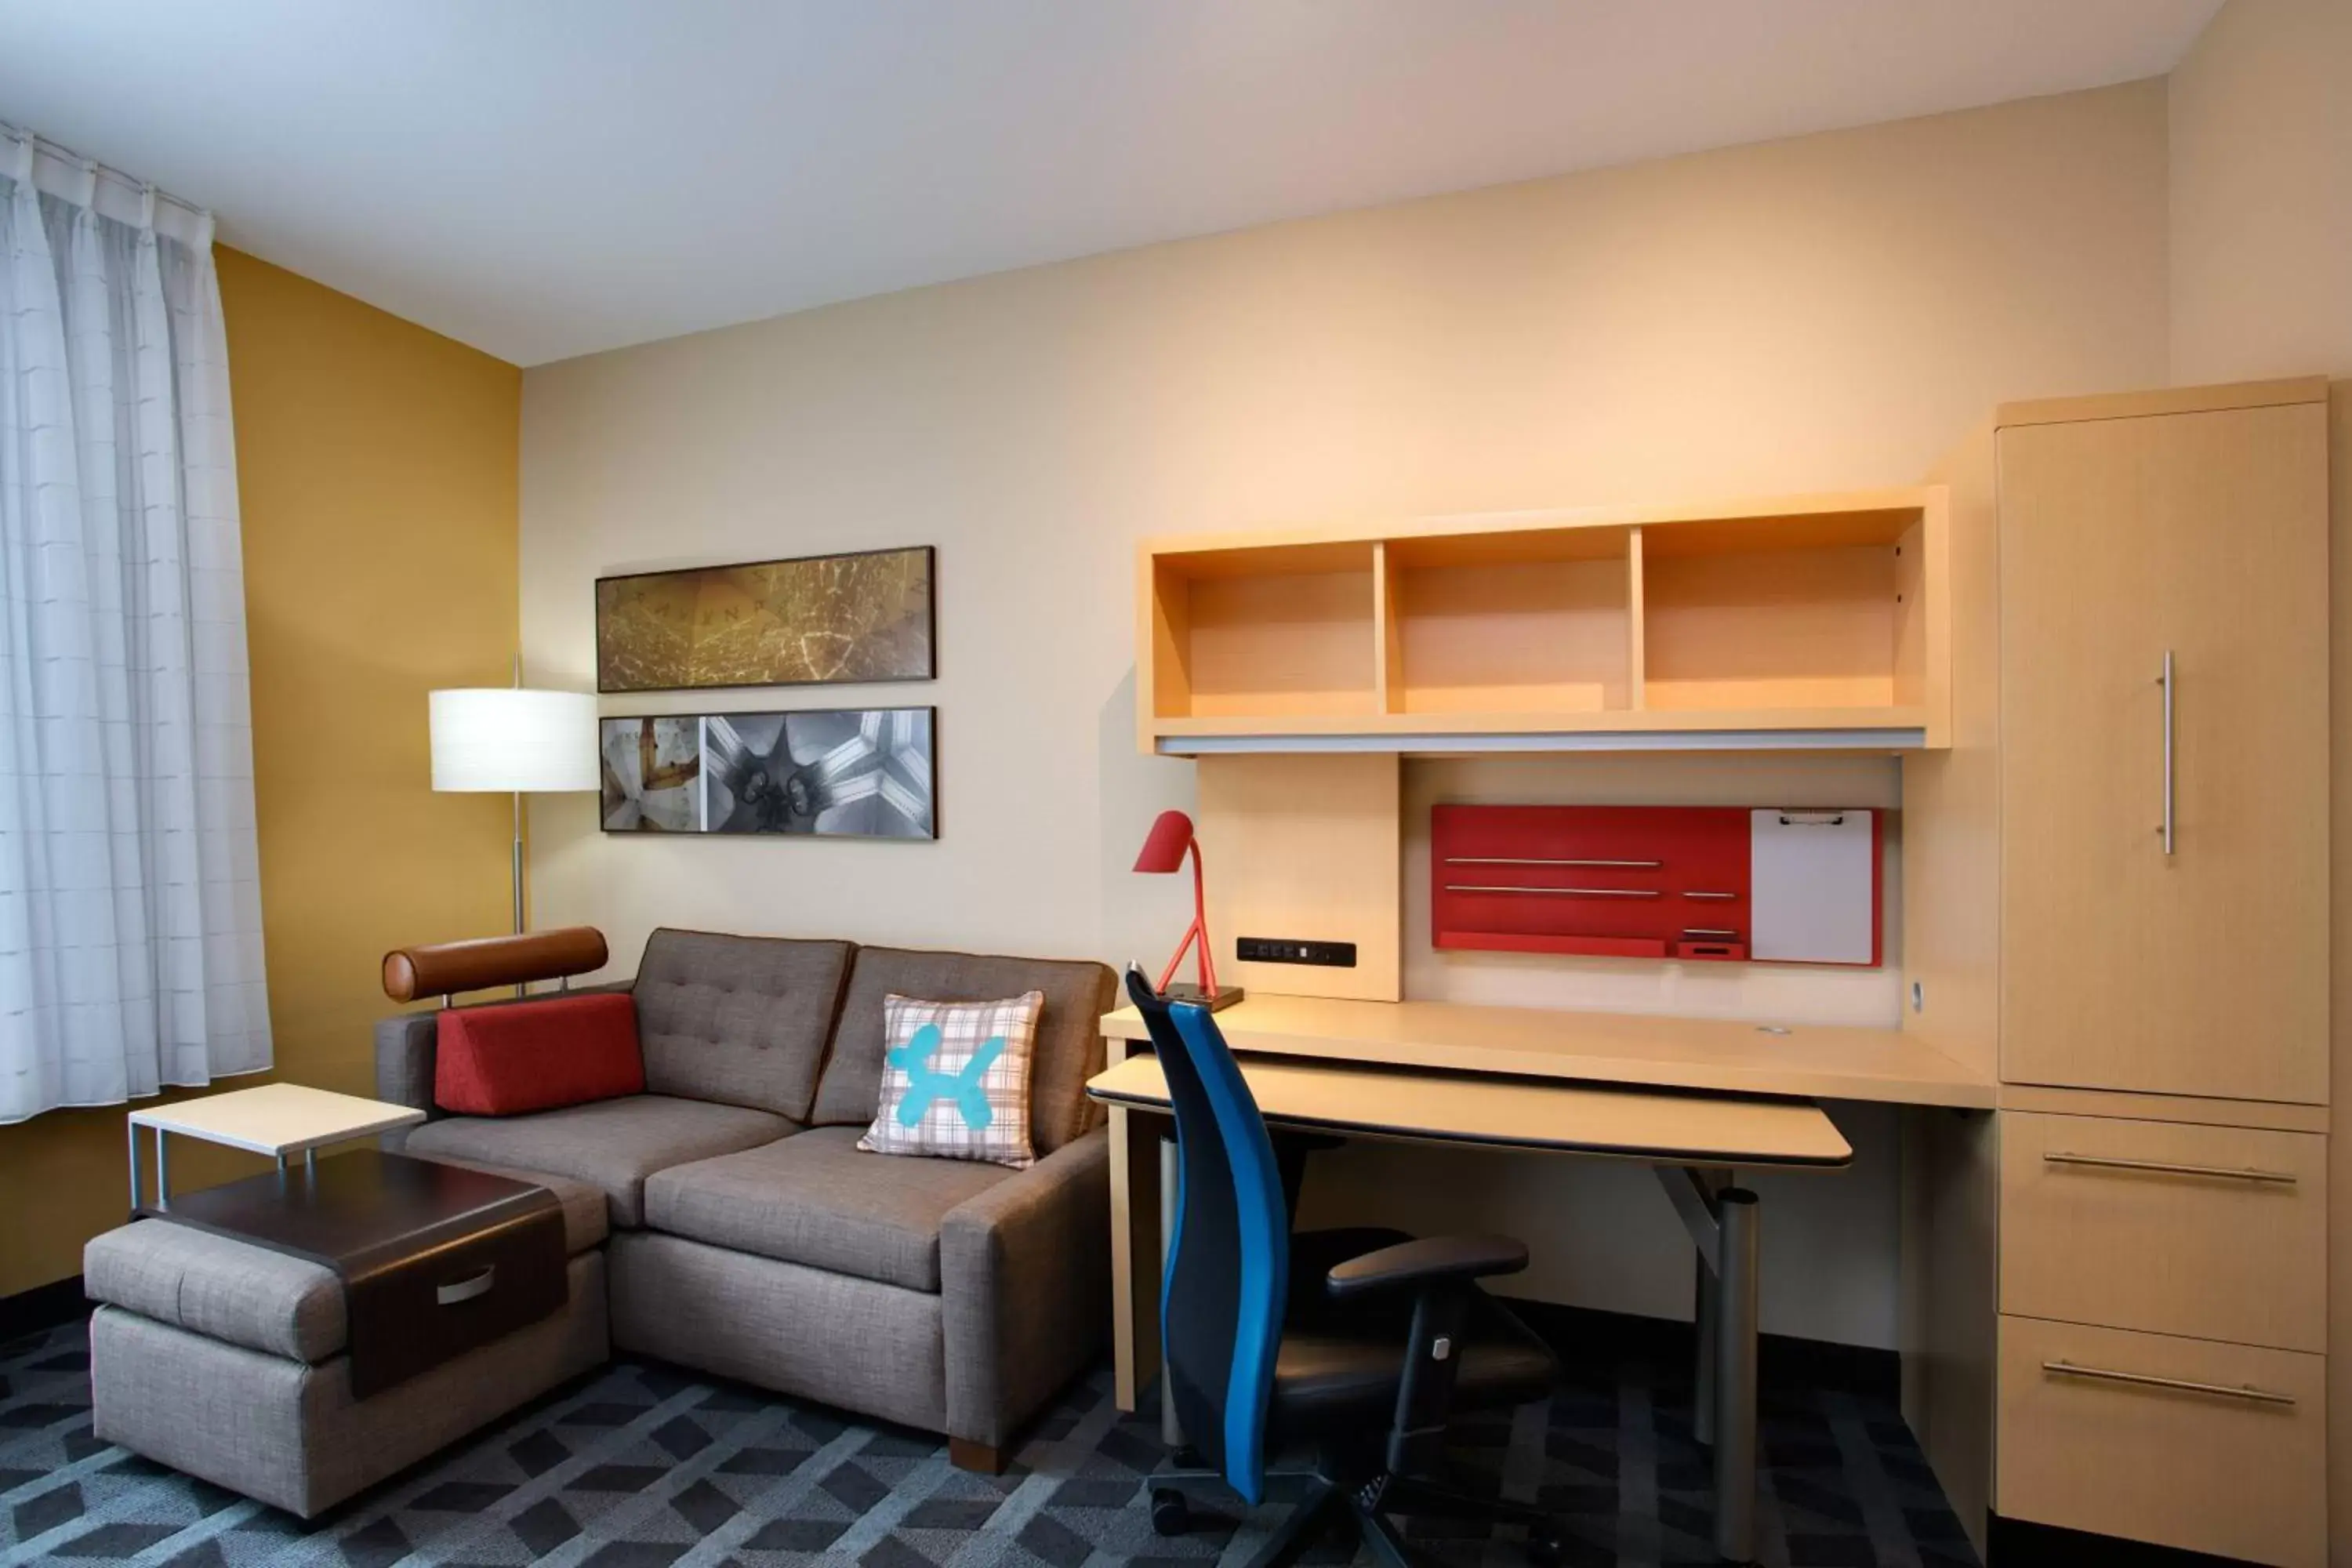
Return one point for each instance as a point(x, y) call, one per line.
point(129, 897)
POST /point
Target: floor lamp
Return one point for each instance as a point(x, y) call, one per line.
point(517, 741)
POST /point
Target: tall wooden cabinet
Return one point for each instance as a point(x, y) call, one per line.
point(2124, 1332)
point(2164, 841)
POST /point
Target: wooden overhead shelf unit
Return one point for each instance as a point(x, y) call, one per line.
point(1801, 621)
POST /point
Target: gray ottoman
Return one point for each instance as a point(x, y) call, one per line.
point(226, 1361)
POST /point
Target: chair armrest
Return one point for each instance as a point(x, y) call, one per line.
point(1025, 1281)
point(1411, 1264)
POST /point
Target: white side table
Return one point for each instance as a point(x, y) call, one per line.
point(277, 1119)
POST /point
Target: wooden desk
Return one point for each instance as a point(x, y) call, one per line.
point(1690, 1138)
point(1726, 1056)
point(1506, 1114)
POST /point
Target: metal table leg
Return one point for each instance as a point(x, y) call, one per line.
point(1171, 1431)
point(162, 1170)
point(1735, 1392)
point(1722, 1226)
point(132, 1128)
point(1703, 1373)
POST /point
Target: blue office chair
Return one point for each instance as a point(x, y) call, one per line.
point(1352, 1346)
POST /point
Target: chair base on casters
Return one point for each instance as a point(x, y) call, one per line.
point(1318, 1500)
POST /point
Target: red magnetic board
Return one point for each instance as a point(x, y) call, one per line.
point(1627, 881)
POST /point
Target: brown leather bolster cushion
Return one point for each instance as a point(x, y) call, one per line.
point(444, 968)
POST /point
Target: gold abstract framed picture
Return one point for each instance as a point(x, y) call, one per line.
point(817, 619)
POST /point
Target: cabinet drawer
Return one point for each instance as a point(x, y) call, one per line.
point(2212, 1232)
point(2234, 1465)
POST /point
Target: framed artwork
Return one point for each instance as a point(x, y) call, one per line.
point(863, 617)
point(847, 772)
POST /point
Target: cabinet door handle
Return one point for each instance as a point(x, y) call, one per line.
point(1534, 860)
point(1556, 892)
point(2246, 1391)
point(2172, 1168)
point(466, 1289)
point(2166, 682)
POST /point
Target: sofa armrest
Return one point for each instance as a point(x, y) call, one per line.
point(405, 1046)
point(1024, 1276)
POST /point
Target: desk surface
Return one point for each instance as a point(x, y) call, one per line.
point(1386, 1102)
point(1726, 1056)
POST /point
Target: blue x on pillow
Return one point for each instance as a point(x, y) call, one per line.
point(955, 1079)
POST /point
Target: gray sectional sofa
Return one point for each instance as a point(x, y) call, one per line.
point(751, 1238)
point(724, 1220)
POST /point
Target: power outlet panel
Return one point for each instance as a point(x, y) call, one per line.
point(1281, 950)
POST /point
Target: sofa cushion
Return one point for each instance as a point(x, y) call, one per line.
point(614, 1144)
point(821, 1201)
point(738, 1019)
point(1069, 1033)
point(218, 1286)
point(539, 1055)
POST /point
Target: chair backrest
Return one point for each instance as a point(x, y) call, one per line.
point(1222, 1295)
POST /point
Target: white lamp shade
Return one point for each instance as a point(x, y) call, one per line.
point(507, 737)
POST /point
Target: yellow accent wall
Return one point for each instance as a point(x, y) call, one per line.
point(377, 467)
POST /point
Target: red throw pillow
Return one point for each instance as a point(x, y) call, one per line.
point(536, 1056)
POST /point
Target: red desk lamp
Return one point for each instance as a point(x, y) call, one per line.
point(1171, 839)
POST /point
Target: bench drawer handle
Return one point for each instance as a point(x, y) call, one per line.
point(466, 1289)
point(2219, 1389)
point(2226, 1172)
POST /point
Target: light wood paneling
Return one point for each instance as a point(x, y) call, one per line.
point(1947, 1308)
point(1883, 1065)
point(2203, 973)
point(1304, 848)
point(2212, 1232)
point(1951, 798)
point(2206, 1472)
point(2276, 1117)
point(1470, 725)
point(2164, 400)
point(1495, 1113)
point(1135, 1260)
point(1799, 520)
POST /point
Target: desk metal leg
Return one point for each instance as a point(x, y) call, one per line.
point(1171, 1431)
point(1735, 1393)
point(1703, 1373)
point(1723, 1225)
point(163, 1169)
point(310, 1160)
point(135, 1182)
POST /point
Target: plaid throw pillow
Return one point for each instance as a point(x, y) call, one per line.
point(955, 1079)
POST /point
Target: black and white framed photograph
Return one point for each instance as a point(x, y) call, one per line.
point(652, 775)
point(850, 772)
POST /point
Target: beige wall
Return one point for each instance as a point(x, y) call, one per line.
point(2262, 285)
point(2262, 195)
point(376, 469)
point(1829, 311)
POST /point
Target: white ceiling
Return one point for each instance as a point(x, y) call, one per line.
point(545, 178)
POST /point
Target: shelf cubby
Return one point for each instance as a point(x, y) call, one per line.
point(1806, 612)
point(1265, 634)
point(1537, 622)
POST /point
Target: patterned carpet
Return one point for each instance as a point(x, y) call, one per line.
point(641, 1466)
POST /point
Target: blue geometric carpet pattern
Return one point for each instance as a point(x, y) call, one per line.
point(642, 1466)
